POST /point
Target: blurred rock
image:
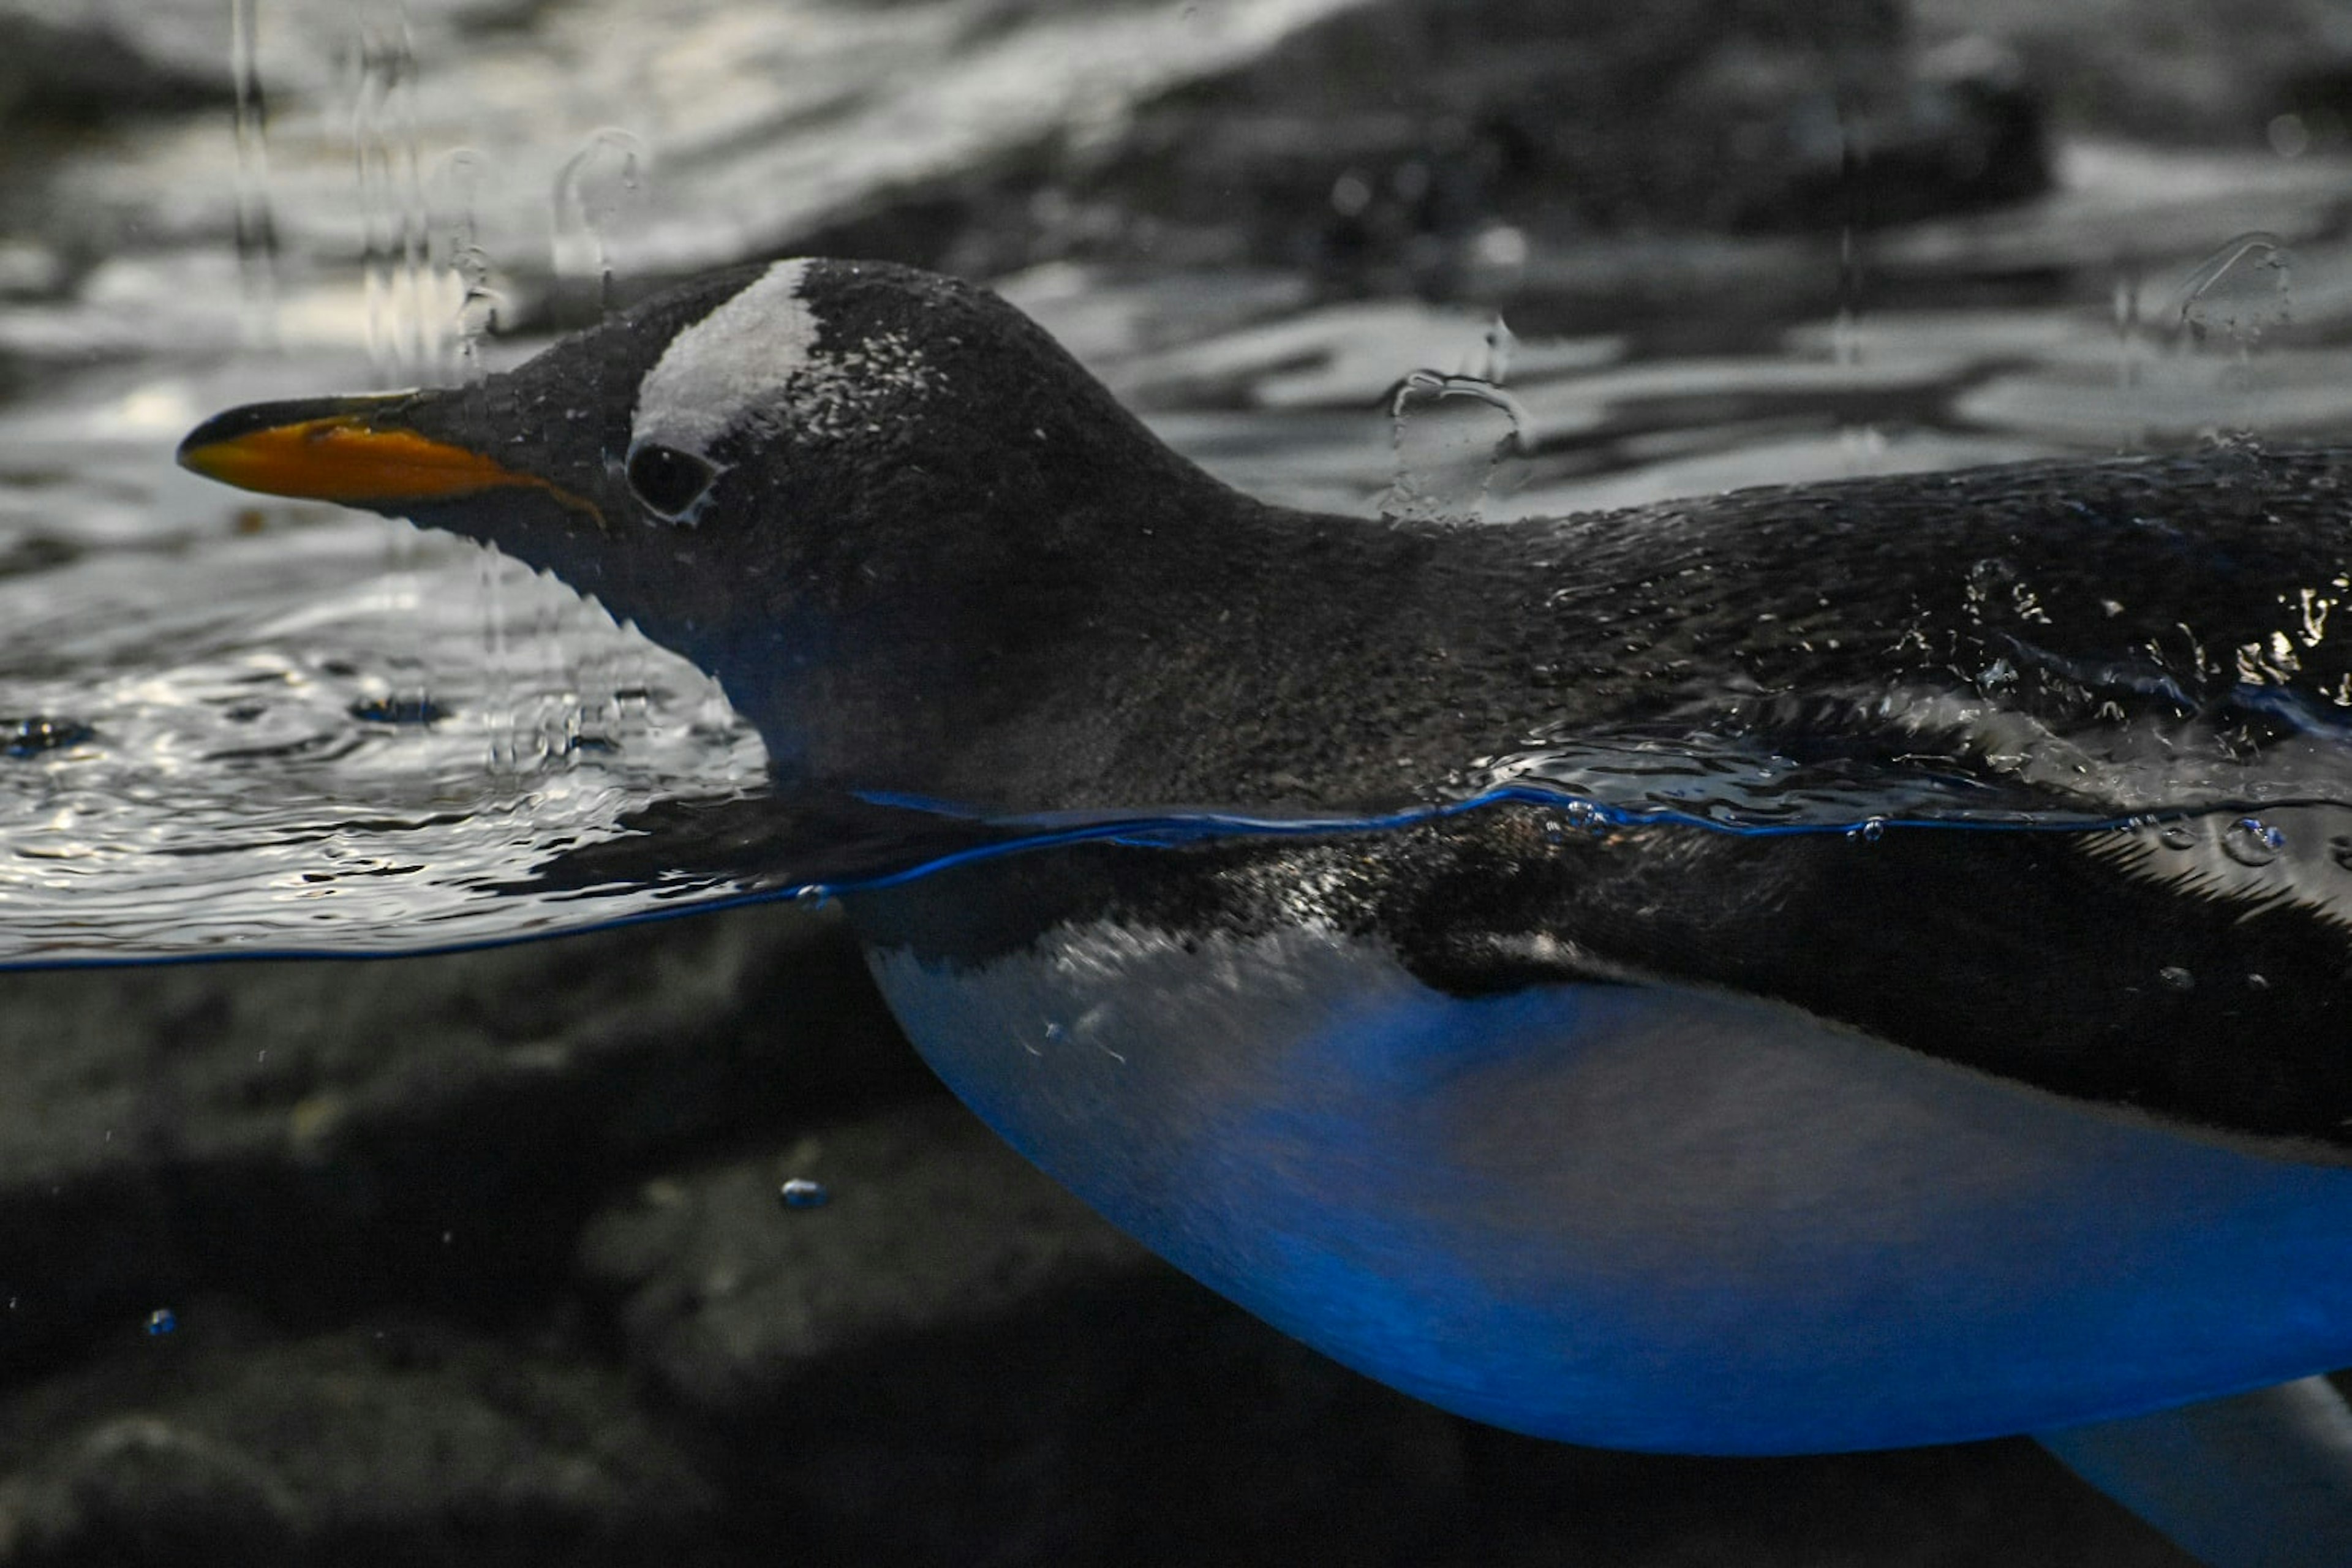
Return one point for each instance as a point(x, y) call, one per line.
point(87, 61)
point(332, 1136)
point(1404, 133)
point(400, 1446)
point(2247, 73)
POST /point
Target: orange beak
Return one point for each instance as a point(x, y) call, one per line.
point(341, 449)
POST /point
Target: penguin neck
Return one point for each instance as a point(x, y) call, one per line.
point(1174, 645)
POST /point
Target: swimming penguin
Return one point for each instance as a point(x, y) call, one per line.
point(2018, 1114)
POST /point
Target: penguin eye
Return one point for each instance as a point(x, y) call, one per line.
point(668, 481)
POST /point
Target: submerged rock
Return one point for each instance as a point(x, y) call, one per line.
point(395, 1445)
point(338, 1135)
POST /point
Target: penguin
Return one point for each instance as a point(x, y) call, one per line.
point(2024, 1108)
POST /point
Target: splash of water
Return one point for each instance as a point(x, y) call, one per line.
point(2242, 291)
point(1449, 434)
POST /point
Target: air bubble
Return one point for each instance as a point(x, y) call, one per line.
point(800, 1193)
point(2250, 841)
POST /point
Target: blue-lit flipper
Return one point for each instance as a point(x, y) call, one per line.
point(2260, 1480)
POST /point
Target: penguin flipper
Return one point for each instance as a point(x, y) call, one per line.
point(2256, 1480)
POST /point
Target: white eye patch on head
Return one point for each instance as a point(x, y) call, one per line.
point(721, 372)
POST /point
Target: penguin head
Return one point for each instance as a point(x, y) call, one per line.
point(850, 490)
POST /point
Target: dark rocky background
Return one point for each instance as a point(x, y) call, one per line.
point(480, 1258)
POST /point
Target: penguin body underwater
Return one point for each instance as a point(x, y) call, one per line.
point(1612, 1130)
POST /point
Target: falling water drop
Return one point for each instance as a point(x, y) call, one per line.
point(2177, 978)
point(453, 195)
point(256, 226)
point(162, 1322)
point(2131, 354)
point(391, 195)
point(599, 193)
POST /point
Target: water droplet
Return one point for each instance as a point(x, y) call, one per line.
point(2250, 841)
point(162, 1322)
point(2177, 978)
point(1868, 831)
point(2177, 835)
point(2339, 849)
point(800, 1193)
point(2257, 982)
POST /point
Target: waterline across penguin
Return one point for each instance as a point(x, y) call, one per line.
point(1626, 1133)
